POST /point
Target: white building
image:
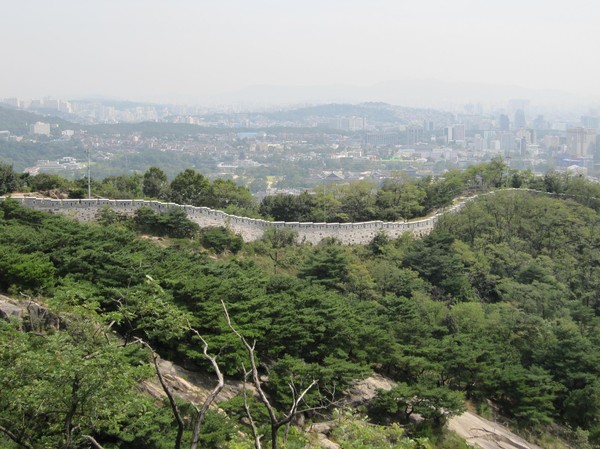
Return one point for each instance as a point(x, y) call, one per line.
point(40, 128)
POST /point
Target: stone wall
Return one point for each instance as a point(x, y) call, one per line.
point(249, 228)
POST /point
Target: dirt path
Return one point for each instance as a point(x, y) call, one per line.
point(480, 432)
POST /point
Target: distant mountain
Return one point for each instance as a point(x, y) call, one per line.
point(373, 111)
point(416, 93)
point(116, 103)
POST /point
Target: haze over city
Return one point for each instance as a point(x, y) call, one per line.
point(270, 51)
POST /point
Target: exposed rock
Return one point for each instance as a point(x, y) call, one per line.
point(57, 194)
point(319, 435)
point(191, 386)
point(480, 432)
point(33, 316)
point(365, 390)
point(322, 427)
point(10, 309)
point(40, 319)
point(325, 443)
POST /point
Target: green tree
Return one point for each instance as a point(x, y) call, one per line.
point(526, 394)
point(9, 180)
point(287, 207)
point(174, 223)
point(189, 187)
point(328, 265)
point(358, 201)
point(33, 272)
point(431, 402)
point(582, 406)
point(224, 193)
point(122, 186)
point(355, 432)
point(327, 205)
point(58, 388)
point(436, 260)
point(400, 198)
point(45, 181)
point(275, 243)
point(154, 184)
point(221, 239)
point(491, 174)
point(441, 191)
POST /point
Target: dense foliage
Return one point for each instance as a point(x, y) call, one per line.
point(398, 198)
point(500, 303)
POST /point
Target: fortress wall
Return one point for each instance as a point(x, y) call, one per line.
point(249, 228)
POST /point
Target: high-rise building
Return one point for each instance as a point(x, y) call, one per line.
point(507, 142)
point(65, 106)
point(503, 122)
point(479, 143)
point(12, 102)
point(581, 142)
point(357, 123)
point(539, 123)
point(520, 119)
point(382, 139)
point(414, 134)
point(551, 142)
point(529, 135)
point(515, 104)
point(590, 122)
point(348, 123)
point(458, 132)
point(50, 103)
point(454, 133)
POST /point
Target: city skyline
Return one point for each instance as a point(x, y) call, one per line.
point(200, 52)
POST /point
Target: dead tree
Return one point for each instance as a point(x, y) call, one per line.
point(213, 394)
point(167, 390)
point(93, 441)
point(297, 399)
point(201, 412)
point(255, 435)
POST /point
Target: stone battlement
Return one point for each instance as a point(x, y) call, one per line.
point(250, 229)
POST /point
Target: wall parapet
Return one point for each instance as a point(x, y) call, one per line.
point(249, 228)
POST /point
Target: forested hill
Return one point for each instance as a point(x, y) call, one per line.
point(498, 305)
point(17, 121)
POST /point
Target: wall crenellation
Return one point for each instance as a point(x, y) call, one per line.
point(250, 229)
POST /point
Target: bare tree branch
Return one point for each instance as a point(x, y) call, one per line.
point(296, 400)
point(212, 396)
point(253, 367)
point(167, 390)
point(257, 437)
point(92, 440)
point(295, 403)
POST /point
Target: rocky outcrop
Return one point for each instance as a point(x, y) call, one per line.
point(40, 319)
point(319, 435)
point(484, 434)
point(30, 315)
point(10, 310)
point(191, 386)
point(364, 390)
point(194, 387)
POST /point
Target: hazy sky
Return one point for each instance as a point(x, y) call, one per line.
point(151, 49)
